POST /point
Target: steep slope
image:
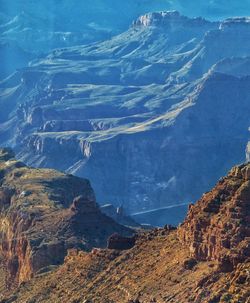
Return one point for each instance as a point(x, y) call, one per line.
point(95, 19)
point(43, 214)
point(207, 259)
point(217, 227)
point(36, 27)
point(149, 109)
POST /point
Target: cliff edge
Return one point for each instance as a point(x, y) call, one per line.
point(43, 213)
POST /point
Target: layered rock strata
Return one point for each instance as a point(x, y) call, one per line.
point(217, 227)
point(43, 213)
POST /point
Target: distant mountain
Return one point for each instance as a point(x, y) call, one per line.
point(37, 27)
point(160, 111)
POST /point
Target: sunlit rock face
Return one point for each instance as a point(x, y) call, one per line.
point(205, 259)
point(44, 213)
point(248, 152)
point(217, 227)
point(160, 111)
point(169, 19)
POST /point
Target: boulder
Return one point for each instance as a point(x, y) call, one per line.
point(119, 242)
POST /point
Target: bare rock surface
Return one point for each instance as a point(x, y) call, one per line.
point(43, 213)
point(204, 260)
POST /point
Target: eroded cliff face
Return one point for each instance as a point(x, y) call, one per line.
point(205, 260)
point(217, 227)
point(170, 20)
point(153, 110)
point(43, 213)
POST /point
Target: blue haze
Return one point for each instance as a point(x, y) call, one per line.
point(152, 113)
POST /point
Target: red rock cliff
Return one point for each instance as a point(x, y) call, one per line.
point(43, 213)
point(217, 227)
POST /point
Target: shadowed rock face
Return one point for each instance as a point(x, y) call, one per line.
point(204, 260)
point(161, 111)
point(119, 215)
point(118, 242)
point(43, 213)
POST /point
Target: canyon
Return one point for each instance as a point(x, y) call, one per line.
point(206, 259)
point(161, 110)
point(115, 117)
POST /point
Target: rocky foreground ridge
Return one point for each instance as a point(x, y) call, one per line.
point(205, 260)
point(43, 213)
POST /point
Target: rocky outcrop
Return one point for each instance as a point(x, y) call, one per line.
point(217, 227)
point(204, 260)
point(118, 242)
point(43, 213)
point(236, 23)
point(170, 20)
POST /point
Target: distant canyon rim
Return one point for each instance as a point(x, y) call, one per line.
point(152, 116)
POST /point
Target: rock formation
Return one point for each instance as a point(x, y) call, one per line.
point(43, 213)
point(206, 259)
point(170, 20)
point(118, 242)
point(217, 227)
point(161, 111)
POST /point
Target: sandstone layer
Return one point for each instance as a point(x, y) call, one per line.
point(204, 260)
point(43, 213)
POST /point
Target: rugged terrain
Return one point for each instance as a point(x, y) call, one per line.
point(43, 213)
point(161, 110)
point(206, 259)
point(31, 28)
